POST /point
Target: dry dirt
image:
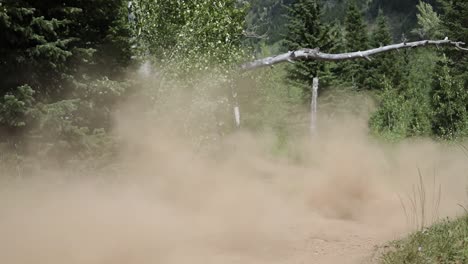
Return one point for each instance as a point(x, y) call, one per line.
point(169, 204)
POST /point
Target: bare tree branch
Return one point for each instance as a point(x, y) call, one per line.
point(315, 54)
point(251, 34)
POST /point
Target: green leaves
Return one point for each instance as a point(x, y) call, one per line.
point(429, 23)
point(391, 120)
point(449, 100)
point(191, 34)
point(424, 107)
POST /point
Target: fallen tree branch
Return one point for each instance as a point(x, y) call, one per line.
point(315, 54)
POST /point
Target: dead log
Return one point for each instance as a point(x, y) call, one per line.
point(315, 54)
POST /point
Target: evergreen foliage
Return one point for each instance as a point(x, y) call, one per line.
point(306, 30)
point(455, 26)
point(356, 40)
point(356, 29)
point(384, 66)
point(55, 51)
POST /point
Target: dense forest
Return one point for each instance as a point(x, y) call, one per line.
point(67, 66)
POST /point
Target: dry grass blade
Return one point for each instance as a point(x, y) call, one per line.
point(404, 209)
point(419, 213)
point(414, 204)
point(422, 199)
point(464, 208)
point(464, 149)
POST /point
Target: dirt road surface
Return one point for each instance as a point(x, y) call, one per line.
point(165, 204)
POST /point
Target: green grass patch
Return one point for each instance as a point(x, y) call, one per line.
point(444, 242)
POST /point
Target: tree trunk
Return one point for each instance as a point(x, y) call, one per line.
point(237, 115)
point(313, 106)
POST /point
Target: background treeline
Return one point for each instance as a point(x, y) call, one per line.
point(419, 92)
point(65, 66)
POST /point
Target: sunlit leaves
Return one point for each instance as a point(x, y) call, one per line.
point(429, 24)
point(194, 34)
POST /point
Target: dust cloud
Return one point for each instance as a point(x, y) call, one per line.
point(169, 203)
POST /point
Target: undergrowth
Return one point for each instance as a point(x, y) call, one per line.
point(444, 242)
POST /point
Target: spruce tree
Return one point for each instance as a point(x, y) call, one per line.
point(455, 25)
point(29, 44)
point(47, 44)
point(356, 40)
point(34, 50)
point(61, 65)
point(305, 30)
point(381, 36)
point(356, 30)
point(383, 66)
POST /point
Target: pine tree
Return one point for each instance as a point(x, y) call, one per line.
point(381, 36)
point(305, 30)
point(29, 44)
point(356, 40)
point(383, 66)
point(44, 44)
point(103, 26)
point(356, 31)
point(61, 64)
point(34, 50)
point(455, 25)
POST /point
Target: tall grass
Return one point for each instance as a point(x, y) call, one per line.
point(419, 209)
point(444, 242)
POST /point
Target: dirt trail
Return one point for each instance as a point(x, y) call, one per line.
point(79, 225)
point(236, 204)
